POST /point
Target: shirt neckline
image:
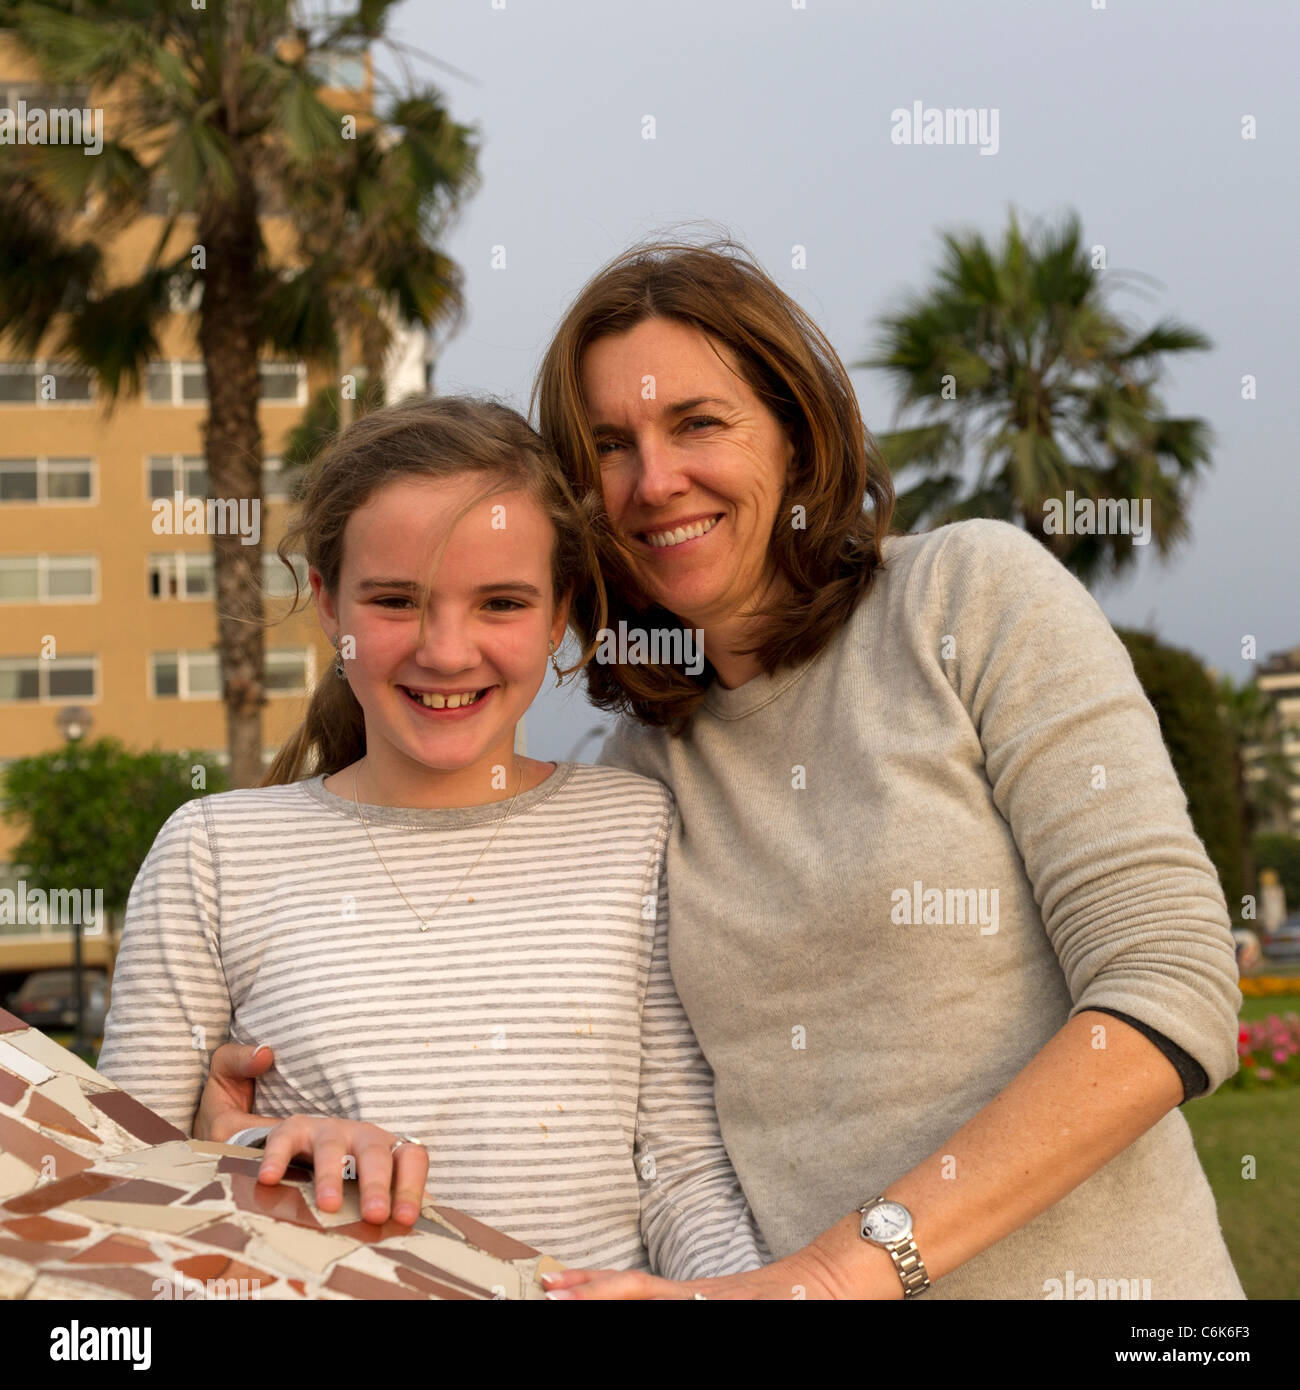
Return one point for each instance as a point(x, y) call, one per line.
point(438, 817)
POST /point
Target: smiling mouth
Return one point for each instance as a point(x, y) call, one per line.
point(433, 700)
point(665, 540)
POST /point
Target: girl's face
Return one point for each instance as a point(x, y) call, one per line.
point(483, 629)
point(692, 473)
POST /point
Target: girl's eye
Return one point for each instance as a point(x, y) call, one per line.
point(392, 600)
point(514, 603)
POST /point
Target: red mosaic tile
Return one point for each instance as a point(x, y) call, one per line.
point(11, 1087)
point(135, 1283)
point(222, 1233)
point(31, 1252)
point(411, 1261)
point(118, 1249)
point(368, 1233)
point(357, 1285)
point(496, 1243)
point(283, 1203)
point(213, 1192)
point(202, 1266)
point(10, 1024)
point(54, 1194)
point(299, 1286)
point(44, 1228)
point(135, 1118)
point(50, 1115)
point(35, 1150)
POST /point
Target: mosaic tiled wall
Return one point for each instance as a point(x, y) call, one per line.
point(100, 1198)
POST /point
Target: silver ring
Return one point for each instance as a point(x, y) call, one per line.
point(405, 1139)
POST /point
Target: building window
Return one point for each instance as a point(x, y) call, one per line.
point(277, 582)
point(276, 486)
point(197, 675)
point(184, 383)
point(181, 574)
point(45, 480)
point(190, 575)
point(44, 383)
point(342, 71)
point(49, 579)
point(29, 680)
point(168, 474)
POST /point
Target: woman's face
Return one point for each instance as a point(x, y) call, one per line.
point(487, 618)
point(685, 443)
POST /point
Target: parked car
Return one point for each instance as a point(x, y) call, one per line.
point(48, 999)
point(1284, 943)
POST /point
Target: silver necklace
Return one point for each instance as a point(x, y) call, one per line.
point(427, 922)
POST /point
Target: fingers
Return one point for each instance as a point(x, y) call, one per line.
point(609, 1284)
point(387, 1181)
point(411, 1172)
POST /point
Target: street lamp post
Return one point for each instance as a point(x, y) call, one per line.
point(73, 722)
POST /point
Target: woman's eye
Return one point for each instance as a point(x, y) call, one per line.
point(603, 444)
point(705, 420)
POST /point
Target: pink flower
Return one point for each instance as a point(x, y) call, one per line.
point(1280, 1054)
point(1265, 1073)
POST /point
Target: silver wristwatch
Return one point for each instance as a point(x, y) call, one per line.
point(889, 1225)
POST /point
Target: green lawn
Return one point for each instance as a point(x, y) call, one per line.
point(1258, 1215)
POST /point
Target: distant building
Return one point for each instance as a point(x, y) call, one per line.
point(1279, 677)
point(102, 614)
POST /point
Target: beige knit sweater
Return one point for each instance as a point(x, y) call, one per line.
point(897, 871)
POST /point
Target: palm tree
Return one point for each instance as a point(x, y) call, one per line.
point(1264, 772)
point(220, 108)
point(1015, 355)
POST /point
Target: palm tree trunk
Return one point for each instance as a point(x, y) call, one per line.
point(229, 335)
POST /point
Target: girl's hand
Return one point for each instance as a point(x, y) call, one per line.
point(379, 1169)
point(797, 1276)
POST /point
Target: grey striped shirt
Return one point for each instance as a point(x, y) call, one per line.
point(532, 1038)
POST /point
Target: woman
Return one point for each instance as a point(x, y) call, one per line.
point(939, 918)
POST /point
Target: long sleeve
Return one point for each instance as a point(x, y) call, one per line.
point(170, 1005)
point(1078, 768)
point(695, 1219)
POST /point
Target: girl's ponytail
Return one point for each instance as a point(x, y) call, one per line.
point(331, 735)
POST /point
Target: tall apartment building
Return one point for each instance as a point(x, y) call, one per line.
point(1279, 677)
point(100, 614)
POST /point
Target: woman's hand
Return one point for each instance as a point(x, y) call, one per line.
point(226, 1105)
point(379, 1169)
point(798, 1276)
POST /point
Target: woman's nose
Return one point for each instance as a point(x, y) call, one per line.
point(660, 476)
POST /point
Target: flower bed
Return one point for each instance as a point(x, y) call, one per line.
point(1269, 1052)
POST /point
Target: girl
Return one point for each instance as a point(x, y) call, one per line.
point(449, 945)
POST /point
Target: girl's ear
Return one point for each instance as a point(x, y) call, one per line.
point(561, 623)
point(328, 614)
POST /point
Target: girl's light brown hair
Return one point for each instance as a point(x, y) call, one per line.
point(433, 438)
point(788, 362)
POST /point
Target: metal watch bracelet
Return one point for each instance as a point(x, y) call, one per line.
point(907, 1260)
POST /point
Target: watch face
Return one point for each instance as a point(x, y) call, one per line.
point(888, 1222)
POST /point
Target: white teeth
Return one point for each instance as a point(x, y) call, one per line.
point(448, 701)
point(682, 533)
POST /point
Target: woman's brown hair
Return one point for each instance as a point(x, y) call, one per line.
point(437, 438)
point(788, 362)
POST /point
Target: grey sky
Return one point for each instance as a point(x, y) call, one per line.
point(774, 123)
